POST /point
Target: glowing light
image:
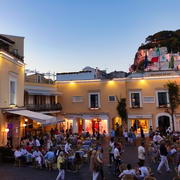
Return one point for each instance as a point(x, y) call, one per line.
point(24, 125)
point(111, 82)
point(72, 82)
point(26, 120)
point(6, 130)
point(38, 123)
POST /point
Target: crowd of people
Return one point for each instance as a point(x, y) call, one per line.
point(61, 150)
point(67, 151)
point(159, 149)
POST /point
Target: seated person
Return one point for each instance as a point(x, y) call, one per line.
point(18, 153)
point(29, 156)
point(49, 159)
point(23, 152)
point(143, 171)
point(129, 171)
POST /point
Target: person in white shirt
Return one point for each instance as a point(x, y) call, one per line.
point(17, 153)
point(128, 171)
point(143, 170)
point(23, 151)
point(173, 150)
point(111, 151)
point(67, 147)
point(157, 138)
point(125, 134)
point(116, 157)
point(49, 144)
point(39, 158)
point(37, 142)
point(141, 153)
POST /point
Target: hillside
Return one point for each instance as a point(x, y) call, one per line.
point(169, 40)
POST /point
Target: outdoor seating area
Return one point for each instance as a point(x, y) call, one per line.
point(42, 151)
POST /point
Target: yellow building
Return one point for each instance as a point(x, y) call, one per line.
point(41, 96)
point(91, 104)
point(11, 85)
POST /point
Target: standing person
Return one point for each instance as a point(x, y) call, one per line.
point(130, 136)
point(157, 138)
point(151, 133)
point(111, 151)
point(125, 134)
point(60, 166)
point(100, 161)
point(67, 147)
point(142, 132)
point(98, 165)
point(116, 158)
point(141, 153)
point(112, 133)
point(93, 166)
point(163, 154)
point(117, 130)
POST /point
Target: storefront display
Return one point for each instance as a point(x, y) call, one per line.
point(136, 124)
point(116, 121)
point(96, 125)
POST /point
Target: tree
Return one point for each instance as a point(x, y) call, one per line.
point(174, 100)
point(121, 109)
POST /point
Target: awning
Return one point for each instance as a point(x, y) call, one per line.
point(140, 116)
point(88, 116)
point(39, 117)
point(42, 92)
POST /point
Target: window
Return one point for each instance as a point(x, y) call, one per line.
point(162, 98)
point(94, 100)
point(111, 98)
point(77, 99)
point(135, 99)
point(12, 92)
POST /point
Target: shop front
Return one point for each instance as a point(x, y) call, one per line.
point(140, 121)
point(116, 121)
point(88, 123)
point(22, 122)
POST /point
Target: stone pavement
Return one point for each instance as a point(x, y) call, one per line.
point(9, 172)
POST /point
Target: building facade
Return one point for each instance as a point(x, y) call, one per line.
point(91, 104)
point(11, 86)
point(41, 95)
point(79, 101)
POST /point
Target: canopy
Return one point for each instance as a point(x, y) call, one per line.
point(88, 116)
point(39, 117)
point(42, 92)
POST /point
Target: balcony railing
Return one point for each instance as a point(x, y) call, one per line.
point(44, 107)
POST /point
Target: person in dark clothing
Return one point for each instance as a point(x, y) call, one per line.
point(142, 132)
point(164, 160)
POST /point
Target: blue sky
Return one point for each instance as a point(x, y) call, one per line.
point(67, 35)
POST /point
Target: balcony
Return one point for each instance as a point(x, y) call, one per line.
point(5, 48)
point(44, 107)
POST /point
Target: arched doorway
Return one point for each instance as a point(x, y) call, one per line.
point(163, 123)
